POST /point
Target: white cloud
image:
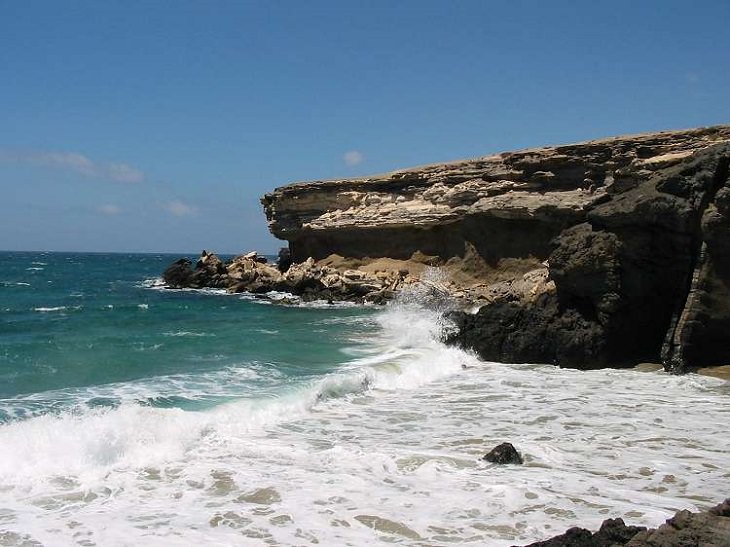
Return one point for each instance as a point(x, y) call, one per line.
point(353, 157)
point(179, 208)
point(109, 209)
point(78, 163)
point(121, 172)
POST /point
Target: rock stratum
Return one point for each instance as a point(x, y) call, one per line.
point(604, 253)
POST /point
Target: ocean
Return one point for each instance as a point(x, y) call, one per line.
point(131, 414)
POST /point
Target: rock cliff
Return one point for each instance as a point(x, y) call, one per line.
point(602, 253)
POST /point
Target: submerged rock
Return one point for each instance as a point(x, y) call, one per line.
point(504, 453)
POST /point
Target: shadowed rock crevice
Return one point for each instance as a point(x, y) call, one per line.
point(691, 340)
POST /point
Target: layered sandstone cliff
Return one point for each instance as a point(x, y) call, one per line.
point(602, 253)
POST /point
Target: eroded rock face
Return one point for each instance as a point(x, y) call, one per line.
point(633, 232)
point(510, 197)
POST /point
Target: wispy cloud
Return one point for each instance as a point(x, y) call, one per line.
point(108, 209)
point(353, 157)
point(78, 163)
point(121, 172)
point(179, 208)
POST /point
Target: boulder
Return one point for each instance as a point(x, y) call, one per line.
point(612, 532)
point(685, 529)
point(503, 453)
point(179, 274)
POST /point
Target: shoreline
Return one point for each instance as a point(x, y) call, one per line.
point(388, 439)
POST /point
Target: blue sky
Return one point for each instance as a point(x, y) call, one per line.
point(156, 126)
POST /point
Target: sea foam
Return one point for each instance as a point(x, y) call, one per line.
point(384, 449)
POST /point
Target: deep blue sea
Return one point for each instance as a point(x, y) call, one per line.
point(90, 330)
point(132, 414)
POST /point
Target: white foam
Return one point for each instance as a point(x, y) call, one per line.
point(50, 309)
point(188, 333)
point(209, 291)
point(385, 450)
point(291, 300)
point(152, 283)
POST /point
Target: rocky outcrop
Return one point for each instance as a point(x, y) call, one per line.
point(603, 253)
point(613, 532)
point(308, 280)
point(209, 271)
point(685, 529)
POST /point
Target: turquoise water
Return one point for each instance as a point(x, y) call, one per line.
point(131, 414)
point(95, 329)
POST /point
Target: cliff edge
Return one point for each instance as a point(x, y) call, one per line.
point(603, 253)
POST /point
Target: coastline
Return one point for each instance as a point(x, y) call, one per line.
point(646, 235)
point(200, 415)
point(550, 255)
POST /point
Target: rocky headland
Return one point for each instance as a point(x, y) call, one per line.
point(605, 253)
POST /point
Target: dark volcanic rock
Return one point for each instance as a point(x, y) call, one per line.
point(284, 259)
point(503, 454)
point(179, 274)
point(685, 529)
point(612, 532)
point(573, 537)
point(540, 332)
point(646, 274)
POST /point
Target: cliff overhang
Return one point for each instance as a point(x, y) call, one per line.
point(602, 253)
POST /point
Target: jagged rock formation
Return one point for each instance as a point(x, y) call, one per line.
point(602, 253)
point(685, 529)
point(308, 280)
